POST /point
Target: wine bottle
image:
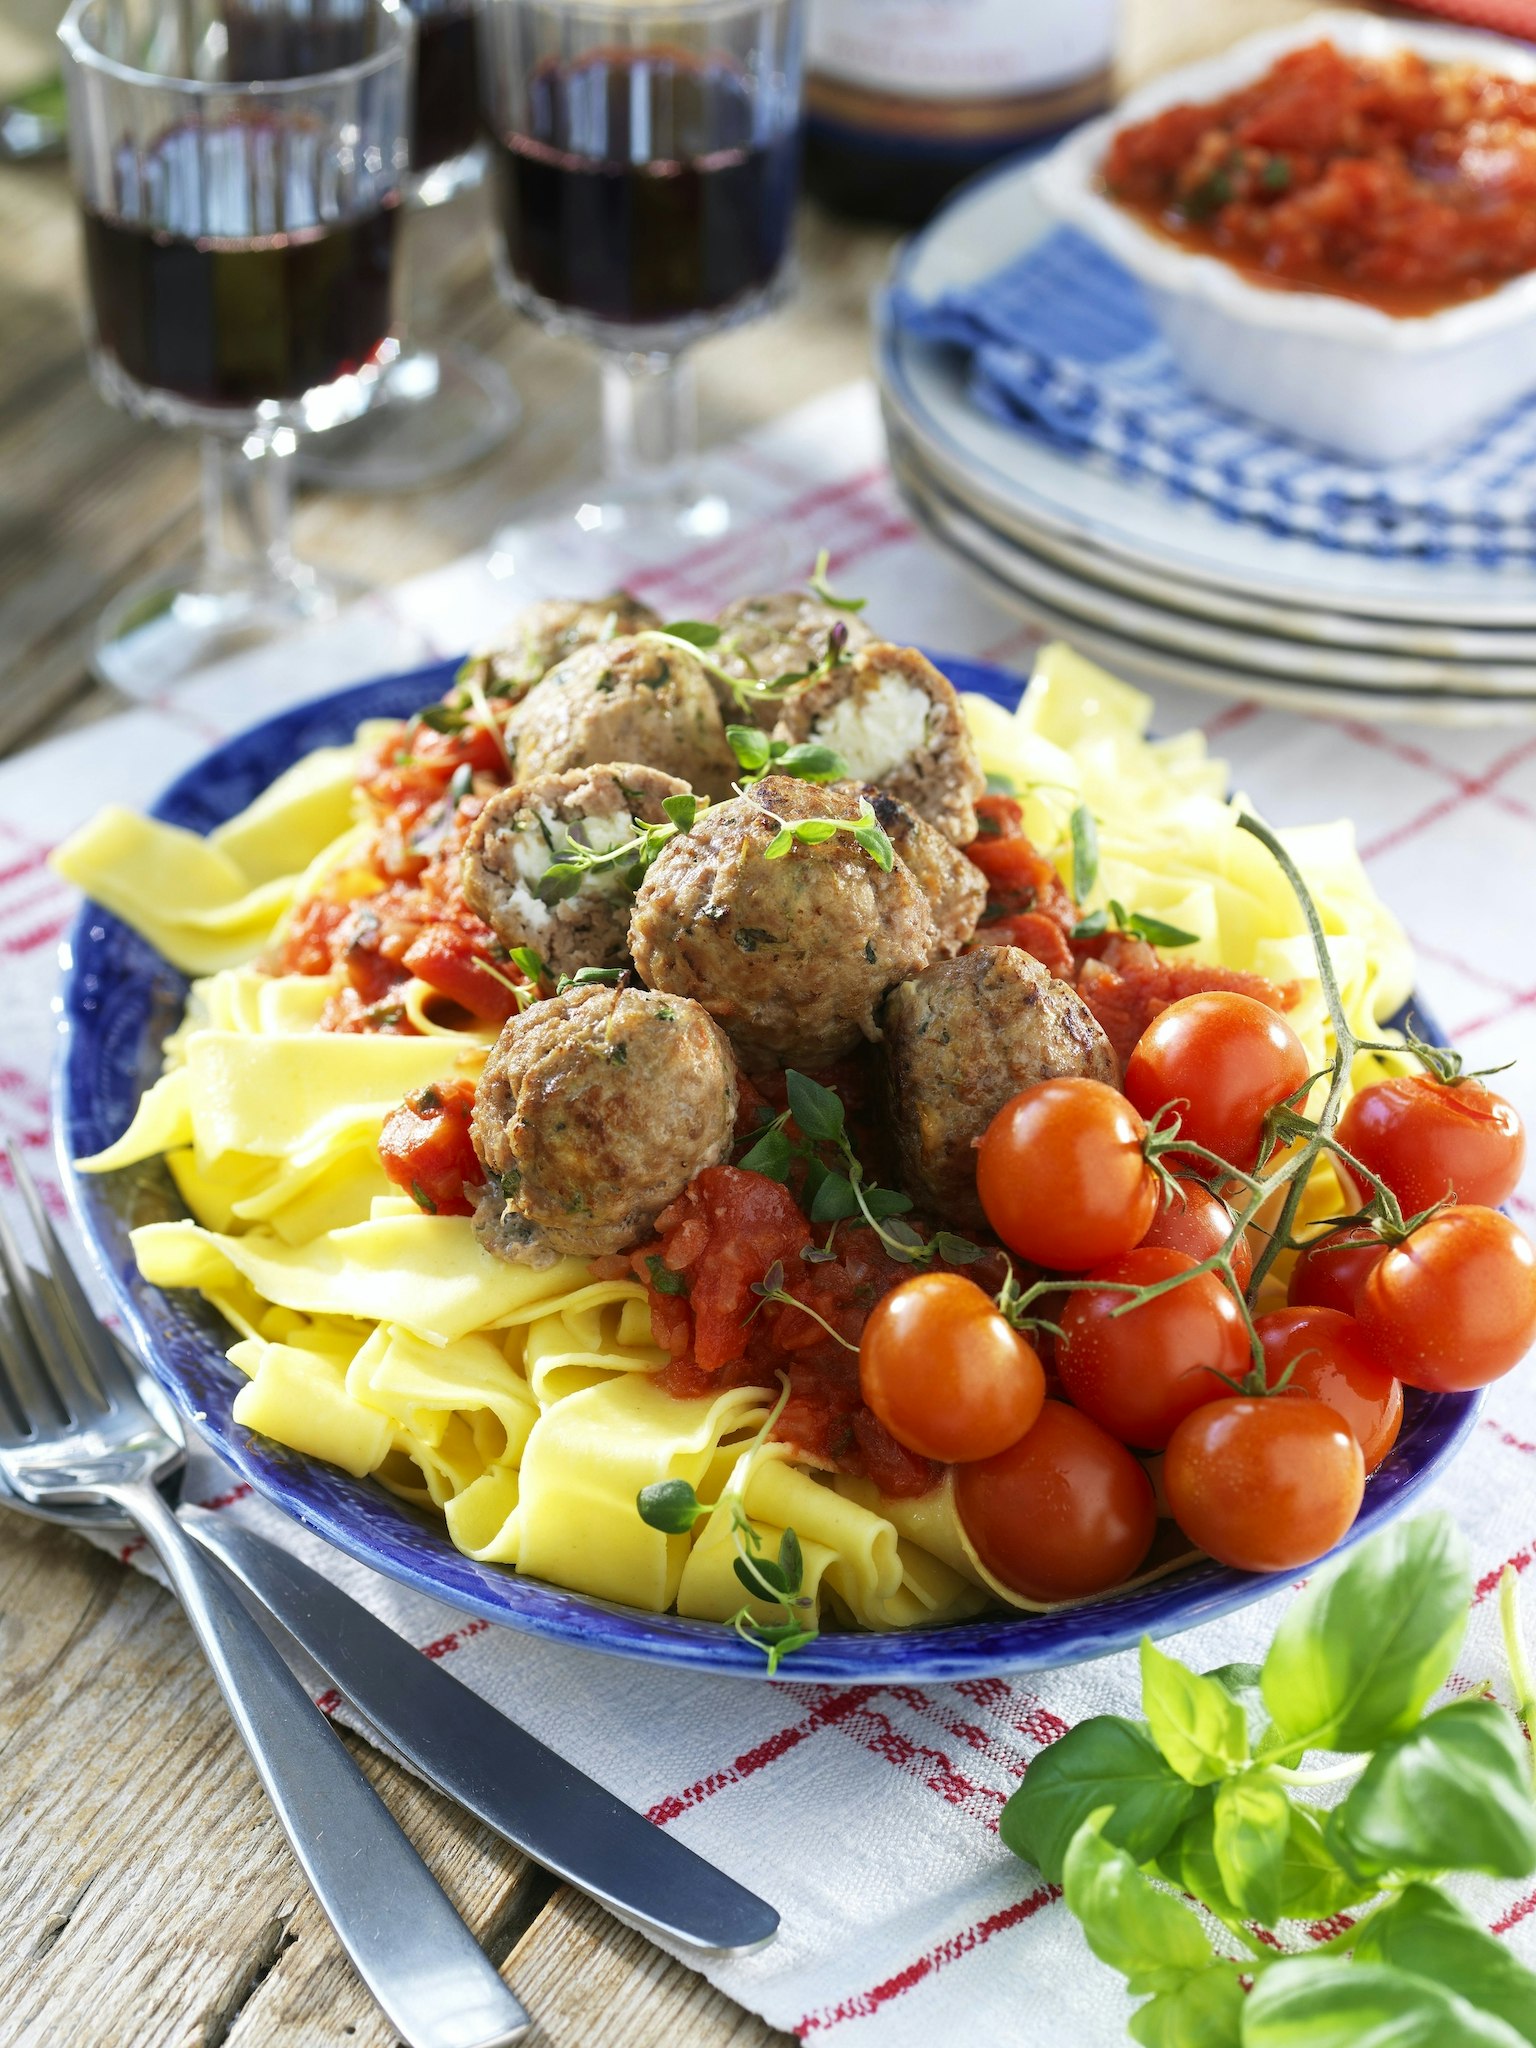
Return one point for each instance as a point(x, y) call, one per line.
point(906, 98)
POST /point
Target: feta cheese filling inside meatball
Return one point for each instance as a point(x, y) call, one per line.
point(595, 1110)
point(523, 831)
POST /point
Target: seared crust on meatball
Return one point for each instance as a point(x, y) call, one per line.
point(626, 700)
point(962, 1039)
point(792, 955)
point(542, 634)
point(525, 830)
point(781, 635)
point(955, 887)
point(595, 1110)
point(896, 722)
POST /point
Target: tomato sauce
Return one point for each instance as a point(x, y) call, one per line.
point(427, 1150)
point(1405, 185)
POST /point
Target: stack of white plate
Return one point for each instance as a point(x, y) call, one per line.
point(1163, 586)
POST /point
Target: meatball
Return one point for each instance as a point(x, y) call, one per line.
point(782, 635)
point(959, 1041)
point(791, 955)
point(627, 700)
point(544, 633)
point(595, 1110)
point(897, 722)
point(955, 887)
point(524, 830)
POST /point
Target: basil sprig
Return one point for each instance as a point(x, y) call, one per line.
point(1204, 1797)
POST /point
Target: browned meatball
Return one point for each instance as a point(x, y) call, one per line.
point(791, 955)
point(523, 831)
point(955, 887)
point(781, 635)
point(595, 1110)
point(627, 700)
point(959, 1041)
point(545, 633)
point(896, 722)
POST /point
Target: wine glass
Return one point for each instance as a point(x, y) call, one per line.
point(238, 165)
point(442, 406)
point(646, 158)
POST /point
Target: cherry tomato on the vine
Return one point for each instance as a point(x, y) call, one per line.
point(946, 1372)
point(1332, 1269)
point(1140, 1372)
point(1062, 1176)
point(1065, 1513)
point(1199, 1226)
point(1428, 1138)
point(1331, 1360)
point(1454, 1305)
point(1266, 1483)
point(1230, 1058)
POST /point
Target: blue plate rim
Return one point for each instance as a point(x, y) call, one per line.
point(184, 1352)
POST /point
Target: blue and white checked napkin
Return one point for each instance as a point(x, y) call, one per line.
point(1061, 344)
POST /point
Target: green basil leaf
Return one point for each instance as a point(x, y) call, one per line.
point(834, 1200)
point(1156, 933)
point(1153, 1940)
point(751, 746)
point(697, 632)
point(817, 1110)
point(816, 831)
point(1454, 1793)
point(1085, 852)
point(682, 810)
point(1311, 2002)
point(1195, 1721)
point(671, 1505)
point(1207, 2012)
point(808, 761)
point(1242, 1682)
point(1252, 1818)
point(1105, 1759)
point(1313, 1884)
point(1425, 1931)
point(1360, 1652)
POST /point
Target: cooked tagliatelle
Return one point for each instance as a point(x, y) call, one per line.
point(525, 1403)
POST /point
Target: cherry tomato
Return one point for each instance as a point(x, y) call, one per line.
point(1454, 1305)
point(945, 1372)
point(1065, 1513)
point(426, 1148)
point(1332, 1269)
point(1198, 1226)
point(1229, 1057)
point(1428, 1139)
point(1264, 1484)
point(1334, 1363)
point(1139, 1373)
point(1062, 1177)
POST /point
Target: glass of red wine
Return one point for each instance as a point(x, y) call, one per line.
point(440, 405)
point(646, 156)
point(238, 165)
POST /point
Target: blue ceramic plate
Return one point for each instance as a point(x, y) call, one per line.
point(120, 999)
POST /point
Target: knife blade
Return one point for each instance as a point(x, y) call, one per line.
point(493, 1768)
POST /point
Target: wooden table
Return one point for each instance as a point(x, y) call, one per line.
point(149, 1898)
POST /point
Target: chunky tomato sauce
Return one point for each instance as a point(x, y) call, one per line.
point(427, 1150)
point(1408, 185)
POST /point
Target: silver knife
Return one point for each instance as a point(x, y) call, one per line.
point(497, 1771)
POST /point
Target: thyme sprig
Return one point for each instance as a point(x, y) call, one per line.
point(698, 638)
point(821, 589)
point(771, 1288)
point(865, 830)
point(634, 855)
point(805, 760)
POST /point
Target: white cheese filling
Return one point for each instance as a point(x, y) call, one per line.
point(877, 727)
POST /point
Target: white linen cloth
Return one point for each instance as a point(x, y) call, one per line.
point(867, 1814)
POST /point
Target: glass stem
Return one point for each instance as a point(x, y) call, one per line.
point(248, 506)
point(650, 421)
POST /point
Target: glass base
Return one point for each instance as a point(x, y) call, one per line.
point(162, 630)
point(434, 412)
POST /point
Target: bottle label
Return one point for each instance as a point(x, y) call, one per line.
point(960, 49)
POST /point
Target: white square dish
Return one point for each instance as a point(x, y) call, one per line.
point(1349, 377)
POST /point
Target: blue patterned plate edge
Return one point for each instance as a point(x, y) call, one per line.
point(118, 1001)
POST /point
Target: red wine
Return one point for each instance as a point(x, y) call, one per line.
point(232, 317)
point(447, 120)
point(640, 192)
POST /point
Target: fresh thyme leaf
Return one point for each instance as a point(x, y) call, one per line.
point(779, 845)
point(817, 1110)
point(816, 831)
point(791, 1560)
point(762, 1577)
point(528, 961)
point(751, 746)
point(903, 1233)
point(697, 632)
point(835, 1200)
point(772, 1156)
point(682, 810)
point(872, 838)
point(663, 1279)
point(883, 1202)
point(956, 1251)
point(443, 717)
point(808, 761)
point(671, 1506)
point(422, 1199)
point(590, 977)
point(999, 784)
point(1085, 852)
point(818, 582)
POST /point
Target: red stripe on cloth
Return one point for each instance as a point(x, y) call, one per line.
point(27, 865)
point(1229, 719)
point(864, 2003)
point(700, 571)
point(878, 1733)
point(1489, 1582)
point(1466, 788)
point(1515, 1443)
point(828, 1711)
point(32, 941)
point(455, 1639)
point(1512, 1917)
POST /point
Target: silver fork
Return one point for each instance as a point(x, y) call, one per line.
point(76, 1438)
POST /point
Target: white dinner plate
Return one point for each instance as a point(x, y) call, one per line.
point(1023, 479)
